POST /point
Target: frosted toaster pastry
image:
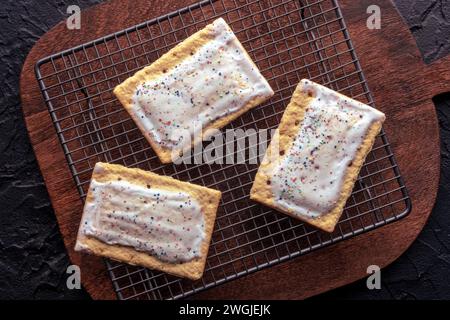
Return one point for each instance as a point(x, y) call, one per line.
point(205, 82)
point(323, 139)
point(141, 218)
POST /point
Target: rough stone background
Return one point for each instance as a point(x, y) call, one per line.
point(32, 256)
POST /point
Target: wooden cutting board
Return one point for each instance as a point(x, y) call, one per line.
point(402, 87)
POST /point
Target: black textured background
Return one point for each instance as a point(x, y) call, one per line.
point(32, 256)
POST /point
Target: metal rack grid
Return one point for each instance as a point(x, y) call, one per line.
point(288, 40)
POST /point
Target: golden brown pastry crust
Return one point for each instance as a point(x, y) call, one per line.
point(208, 199)
point(125, 91)
point(285, 134)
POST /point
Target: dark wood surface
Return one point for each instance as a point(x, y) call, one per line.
point(402, 86)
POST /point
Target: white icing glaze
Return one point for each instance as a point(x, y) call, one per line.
point(307, 180)
point(216, 80)
point(166, 224)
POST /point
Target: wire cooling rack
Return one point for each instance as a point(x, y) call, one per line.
point(288, 40)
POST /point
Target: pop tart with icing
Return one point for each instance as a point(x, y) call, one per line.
point(203, 83)
point(322, 142)
point(141, 218)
